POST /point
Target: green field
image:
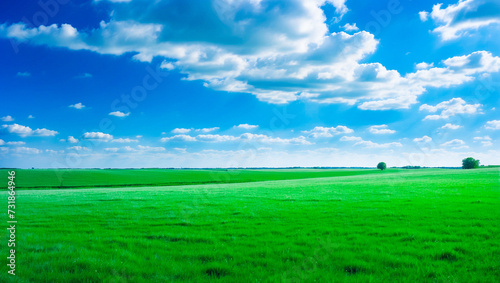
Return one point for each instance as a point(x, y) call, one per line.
point(427, 225)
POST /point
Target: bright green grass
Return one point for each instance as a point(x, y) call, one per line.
point(74, 178)
point(405, 226)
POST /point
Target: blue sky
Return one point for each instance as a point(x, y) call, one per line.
point(248, 83)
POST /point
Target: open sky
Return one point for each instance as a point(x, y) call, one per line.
point(244, 83)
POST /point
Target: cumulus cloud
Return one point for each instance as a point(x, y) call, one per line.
point(282, 51)
point(7, 118)
point(493, 125)
point(119, 114)
point(381, 129)
point(327, 132)
point(278, 51)
point(423, 16)
point(423, 66)
point(97, 136)
point(31, 117)
point(350, 27)
point(246, 126)
point(452, 107)
point(72, 139)
point(78, 105)
point(451, 126)
point(2, 142)
point(423, 139)
point(24, 131)
point(464, 18)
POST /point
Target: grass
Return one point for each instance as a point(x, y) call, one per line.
point(84, 178)
point(426, 225)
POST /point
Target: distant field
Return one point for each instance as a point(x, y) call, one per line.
point(430, 225)
point(80, 178)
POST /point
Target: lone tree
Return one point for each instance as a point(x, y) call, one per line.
point(470, 163)
point(381, 166)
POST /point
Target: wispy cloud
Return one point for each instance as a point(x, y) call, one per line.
point(7, 118)
point(381, 130)
point(24, 131)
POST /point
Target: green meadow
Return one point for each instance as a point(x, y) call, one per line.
point(297, 225)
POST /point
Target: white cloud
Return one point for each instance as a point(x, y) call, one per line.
point(124, 140)
point(347, 138)
point(423, 16)
point(328, 132)
point(78, 105)
point(424, 139)
point(493, 125)
point(7, 118)
point(137, 149)
point(455, 143)
point(167, 65)
point(350, 27)
point(31, 117)
point(450, 108)
point(487, 138)
point(423, 66)
point(181, 131)
point(216, 138)
point(485, 141)
point(381, 129)
point(24, 131)
point(370, 144)
point(278, 51)
point(451, 126)
point(15, 143)
point(248, 137)
point(2, 142)
point(97, 136)
point(179, 138)
point(119, 114)
point(207, 130)
point(464, 18)
point(72, 139)
point(246, 126)
point(26, 150)
point(185, 131)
